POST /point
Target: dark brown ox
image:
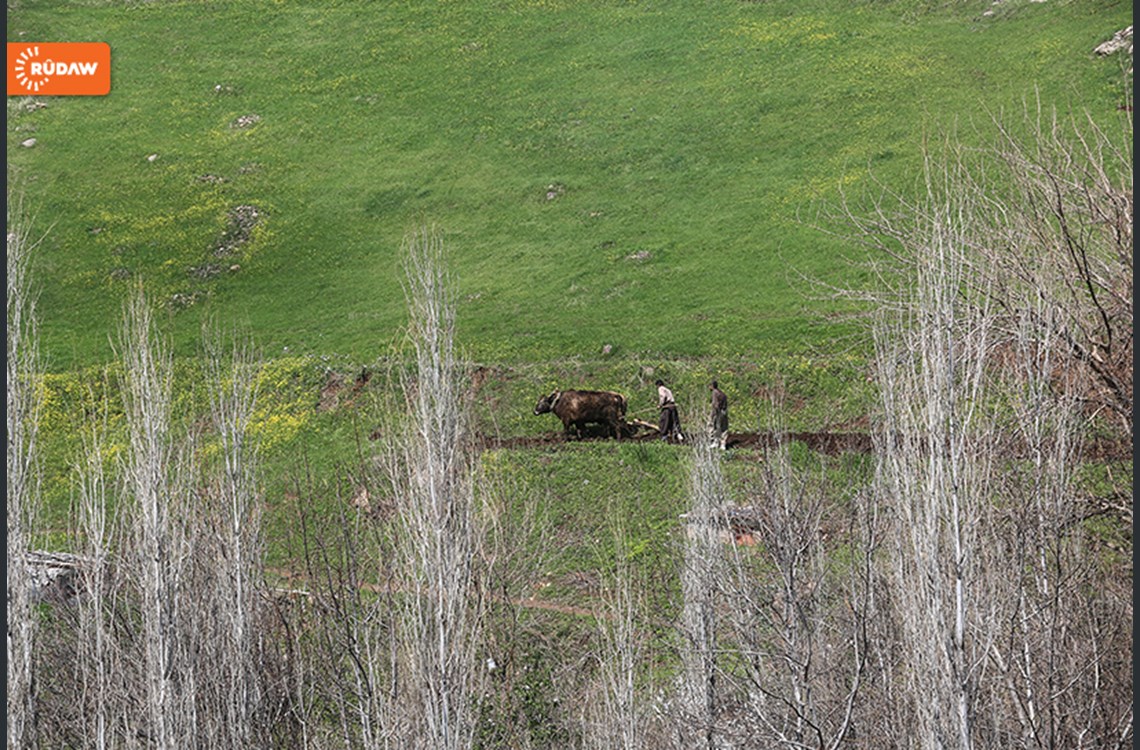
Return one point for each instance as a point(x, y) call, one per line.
point(578, 408)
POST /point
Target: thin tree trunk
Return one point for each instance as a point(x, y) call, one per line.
point(23, 490)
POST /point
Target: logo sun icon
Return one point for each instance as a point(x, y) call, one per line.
point(32, 84)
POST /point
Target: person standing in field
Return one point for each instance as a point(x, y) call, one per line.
point(718, 423)
point(670, 425)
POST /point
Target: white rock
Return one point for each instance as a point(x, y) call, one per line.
point(28, 143)
point(1120, 40)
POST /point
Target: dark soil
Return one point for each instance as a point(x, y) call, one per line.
point(827, 443)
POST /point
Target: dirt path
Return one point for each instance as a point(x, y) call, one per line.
point(826, 443)
point(829, 443)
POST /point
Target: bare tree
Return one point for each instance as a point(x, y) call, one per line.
point(617, 717)
point(23, 405)
point(1056, 666)
point(795, 619)
point(398, 593)
point(998, 295)
point(1050, 212)
point(100, 673)
point(229, 555)
point(158, 487)
point(439, 621)
point(701, 579)
point(1064, 237)
point(194, 555)
point(932, 471)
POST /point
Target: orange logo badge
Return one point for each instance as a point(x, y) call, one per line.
point(59, 68)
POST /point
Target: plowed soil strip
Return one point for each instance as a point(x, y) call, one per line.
point(827, 443)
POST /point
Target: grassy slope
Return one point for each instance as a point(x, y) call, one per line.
point(693, 133)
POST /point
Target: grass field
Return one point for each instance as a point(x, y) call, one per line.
point(633, 174)
point(636, 175)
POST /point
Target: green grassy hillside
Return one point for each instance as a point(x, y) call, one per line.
point(637, 174)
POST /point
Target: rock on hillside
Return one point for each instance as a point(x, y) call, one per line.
point(1121, 40)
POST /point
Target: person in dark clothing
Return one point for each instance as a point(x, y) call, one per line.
point(670, 426)
point(718, 423)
